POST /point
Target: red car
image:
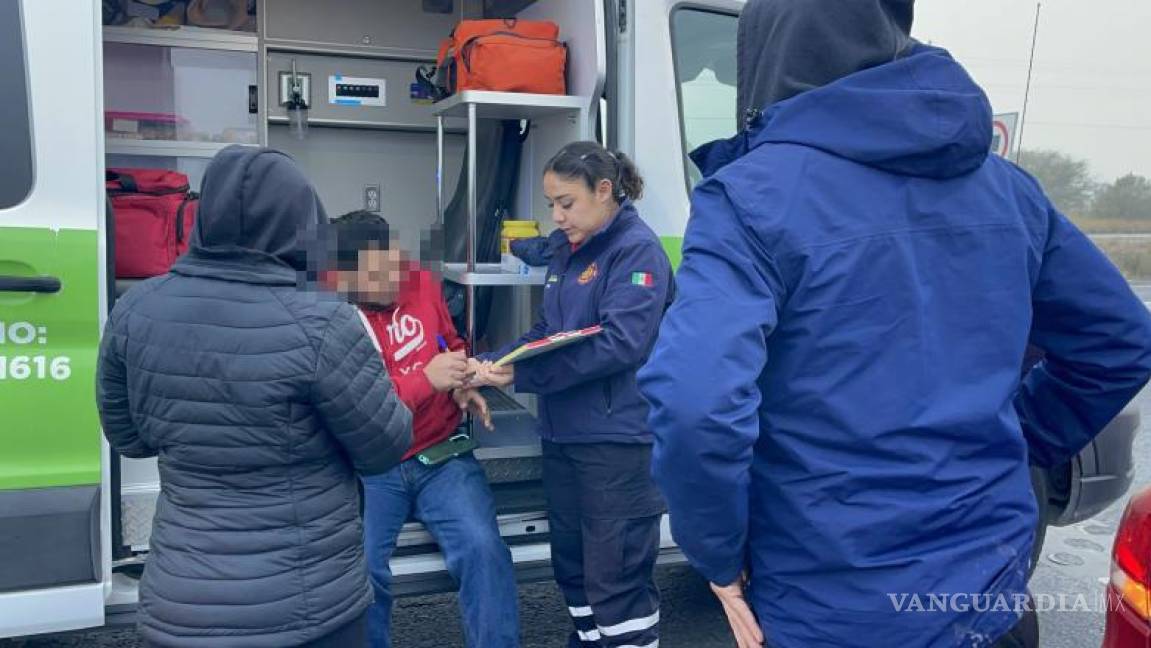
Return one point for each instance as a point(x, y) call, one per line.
point(1129, 594)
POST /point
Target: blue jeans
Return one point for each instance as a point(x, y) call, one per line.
point(454, 502)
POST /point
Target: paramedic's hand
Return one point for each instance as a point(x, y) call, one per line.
point(474, 368)
point(470, 399)
point(498, 376)
point(447, 371)
point(486, 374)
point(739, 615)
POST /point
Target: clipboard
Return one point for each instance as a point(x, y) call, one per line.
point(548, 344)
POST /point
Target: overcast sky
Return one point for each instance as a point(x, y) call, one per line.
point(1091, 92)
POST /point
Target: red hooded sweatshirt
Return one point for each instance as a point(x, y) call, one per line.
point(406, 333)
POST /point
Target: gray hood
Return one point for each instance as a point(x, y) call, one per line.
point(256, 203)
point(786, 47)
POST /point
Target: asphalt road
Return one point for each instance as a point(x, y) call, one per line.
point(1076, 564)
point(691, 618)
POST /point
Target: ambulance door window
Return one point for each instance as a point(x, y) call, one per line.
point(704, 46)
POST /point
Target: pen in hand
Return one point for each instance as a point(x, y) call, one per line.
point(447, 370)
point(442, 343)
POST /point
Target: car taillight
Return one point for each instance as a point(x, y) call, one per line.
point(1131, 571)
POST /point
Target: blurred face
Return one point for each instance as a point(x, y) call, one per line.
point(376, 279)
point(577, 210)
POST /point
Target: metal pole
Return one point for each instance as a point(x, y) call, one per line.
point(440, 171)
point(473, 216)
point(472, 190)
point(1027, 90)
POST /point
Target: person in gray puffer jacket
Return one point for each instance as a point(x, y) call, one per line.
point(260, 400)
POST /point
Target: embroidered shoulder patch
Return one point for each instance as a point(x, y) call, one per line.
point(589, 274)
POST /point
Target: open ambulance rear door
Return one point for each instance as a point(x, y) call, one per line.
point(54, 557)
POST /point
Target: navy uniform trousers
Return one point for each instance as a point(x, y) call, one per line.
point(604, 517)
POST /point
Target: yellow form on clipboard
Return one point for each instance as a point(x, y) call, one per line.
point(548, 344)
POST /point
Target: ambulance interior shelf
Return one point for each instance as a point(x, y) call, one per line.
point(475, 105)
point(508, 105)
point(515, 433)
point(556, 120)
point(492, 274)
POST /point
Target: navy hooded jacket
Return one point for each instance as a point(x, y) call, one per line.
point(619, 279)
point(835, 393)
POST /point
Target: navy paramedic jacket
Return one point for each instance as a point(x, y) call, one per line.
point(835, 393)
point(620, 279)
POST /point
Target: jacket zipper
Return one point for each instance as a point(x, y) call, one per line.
point(607, 394)
point(559, 286)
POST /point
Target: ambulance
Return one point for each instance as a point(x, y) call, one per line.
point(127, 84)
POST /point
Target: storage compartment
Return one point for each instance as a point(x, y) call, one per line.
point(176, 97)
point(173, 98)
point(223, 15)
point(395, 29)
point(177, 94)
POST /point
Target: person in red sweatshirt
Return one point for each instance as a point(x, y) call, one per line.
point(404, 310)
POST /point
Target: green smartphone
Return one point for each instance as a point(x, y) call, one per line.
point(453, 447)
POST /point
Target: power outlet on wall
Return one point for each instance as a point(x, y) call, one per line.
point(372, 198)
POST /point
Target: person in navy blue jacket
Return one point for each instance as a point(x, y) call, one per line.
point(835, 393)
point(607, 268)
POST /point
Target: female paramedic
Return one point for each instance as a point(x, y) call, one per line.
point(607, 268)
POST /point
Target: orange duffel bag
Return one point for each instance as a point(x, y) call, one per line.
point(504, 56)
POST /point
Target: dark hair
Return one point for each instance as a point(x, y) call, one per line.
point(355, 231)
point(590, 162)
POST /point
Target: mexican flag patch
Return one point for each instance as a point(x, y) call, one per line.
point(642, 279)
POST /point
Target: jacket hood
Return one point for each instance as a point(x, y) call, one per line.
point(788, 47)
point(256, 203)
point(920, 115)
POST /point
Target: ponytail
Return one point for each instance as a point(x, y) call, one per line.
point(590, 162)
point(629, 180)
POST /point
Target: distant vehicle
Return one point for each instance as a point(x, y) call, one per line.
point(1093, 480)
point(1129, 593)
